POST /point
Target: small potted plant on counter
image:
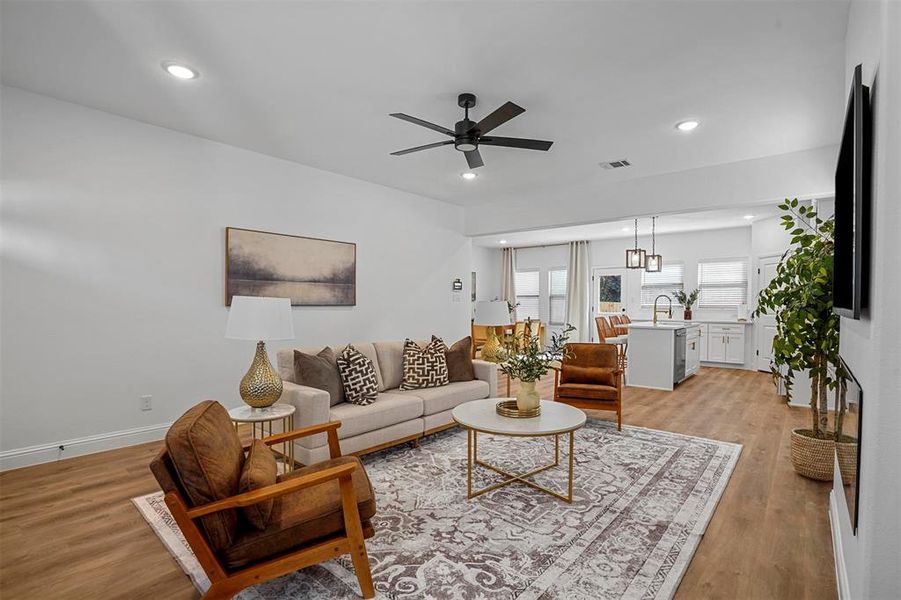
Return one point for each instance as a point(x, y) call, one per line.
point(531, 361)
point(800, 296)
point(687, 301)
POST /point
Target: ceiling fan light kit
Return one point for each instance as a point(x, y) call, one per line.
point(468, 135)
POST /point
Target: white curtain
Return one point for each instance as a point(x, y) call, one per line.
point(577, 291)
point(508, 273)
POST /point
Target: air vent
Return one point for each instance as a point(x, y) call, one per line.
point(616, 164)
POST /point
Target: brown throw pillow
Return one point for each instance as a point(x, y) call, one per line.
point(593, 375)
point(459, 361)
point(260, 470)
point(320, 372)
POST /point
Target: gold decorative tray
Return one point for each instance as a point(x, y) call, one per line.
point(507, 408)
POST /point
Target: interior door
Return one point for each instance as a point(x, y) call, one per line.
point(765, 324)
point(608, 293)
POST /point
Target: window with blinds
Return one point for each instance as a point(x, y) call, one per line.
point(666, 281)
point(527, 295)
point(723, 282)
point(557, 297)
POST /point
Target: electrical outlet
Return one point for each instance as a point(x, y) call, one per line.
point(146, 402)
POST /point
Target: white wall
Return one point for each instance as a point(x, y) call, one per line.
point(871, 345)
point(486, 262)
point(113, 260)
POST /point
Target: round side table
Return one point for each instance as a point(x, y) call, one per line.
point(259, 418)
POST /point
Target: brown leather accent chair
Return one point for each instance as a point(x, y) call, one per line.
point(316, 513)
point(590, 378)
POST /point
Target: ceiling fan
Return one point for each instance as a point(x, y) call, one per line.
point(468, 135)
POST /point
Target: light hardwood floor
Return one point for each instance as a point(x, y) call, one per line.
point(68, 529)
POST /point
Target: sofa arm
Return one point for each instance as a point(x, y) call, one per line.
point(486, 371)
point(312, 407)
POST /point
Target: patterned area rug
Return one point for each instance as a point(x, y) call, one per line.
point(642, 501)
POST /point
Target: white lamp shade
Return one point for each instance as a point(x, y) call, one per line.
point(492, 312)
point(254, 318)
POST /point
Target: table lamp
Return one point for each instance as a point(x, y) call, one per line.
point(256, 318)
point(492, 313)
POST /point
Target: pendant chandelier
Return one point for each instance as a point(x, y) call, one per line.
point(635, 257)
point(654, 260)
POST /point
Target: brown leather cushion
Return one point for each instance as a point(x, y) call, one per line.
point(302, 517)
point(260, 470)
point(586, 391)
point(459, 361)
point(320, 372)
point(208, 458)
point(595, 375)
point(592, 355)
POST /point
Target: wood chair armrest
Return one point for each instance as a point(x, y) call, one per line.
point(273, 491)
point(287, 436)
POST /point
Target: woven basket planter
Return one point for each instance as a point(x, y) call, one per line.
point(812, 457)
point(847, 460)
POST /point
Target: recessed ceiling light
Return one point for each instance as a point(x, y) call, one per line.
point(502, 242)
point(180, 71)
point(687, 125)
point(748, 217)
point(468, 176)
point(625, 229)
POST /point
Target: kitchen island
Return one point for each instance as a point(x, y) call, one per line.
point(662, 355)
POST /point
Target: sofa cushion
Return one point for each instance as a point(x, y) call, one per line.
point(320, 372)
point(391, 363)
point(436, 400)
point(587, 391)
point(208, 457)
point(285, 359)
point(358, 376)
point(459, 361)
point(302, 517)
point(260, 470)
point(388, 409)
point(595, 375)
point(424, 367)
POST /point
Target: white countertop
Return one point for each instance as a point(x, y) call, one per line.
point(663, 325)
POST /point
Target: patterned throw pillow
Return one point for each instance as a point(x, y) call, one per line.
point(358, 376)
point(424, 367)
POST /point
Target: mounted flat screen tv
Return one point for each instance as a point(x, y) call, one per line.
point(852, 205)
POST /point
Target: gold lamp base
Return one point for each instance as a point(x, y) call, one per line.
point(492, 348)
point(261, 386)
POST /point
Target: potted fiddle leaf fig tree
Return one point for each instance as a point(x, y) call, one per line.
point(800, 297)
point(531, 361)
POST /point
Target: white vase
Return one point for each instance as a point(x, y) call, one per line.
point(527, 397)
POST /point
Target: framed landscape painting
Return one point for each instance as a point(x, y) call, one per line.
point(309, 271)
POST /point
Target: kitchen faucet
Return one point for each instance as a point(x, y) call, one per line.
point(668, 311)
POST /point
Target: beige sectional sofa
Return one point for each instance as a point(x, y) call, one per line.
point(396, 416)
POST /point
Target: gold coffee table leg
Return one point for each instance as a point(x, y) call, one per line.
point(472, 459)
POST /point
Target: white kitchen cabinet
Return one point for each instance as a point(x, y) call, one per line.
point(726, 344)
point(692, 354)
point(716, 347)
point(735, 348)
point(703, 332)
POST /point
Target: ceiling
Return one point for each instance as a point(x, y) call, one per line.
point(672, 223)
point(313, 82)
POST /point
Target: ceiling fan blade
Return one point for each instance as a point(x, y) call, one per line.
point(498, 117)
point(474, 159)
point(422, 123)
point(516, 143)
point(418, 148)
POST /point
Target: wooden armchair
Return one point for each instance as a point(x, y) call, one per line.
point(316, 512)
point(590, 378)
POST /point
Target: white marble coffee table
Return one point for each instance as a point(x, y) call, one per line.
point(555, 419)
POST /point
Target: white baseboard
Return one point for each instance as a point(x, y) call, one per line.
point(841, 571)
point(44, 453)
